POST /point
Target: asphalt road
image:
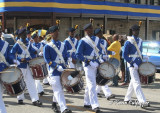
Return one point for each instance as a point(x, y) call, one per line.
point(75, 101)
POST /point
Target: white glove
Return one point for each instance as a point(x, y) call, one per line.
point(70, 77)
point(101, 60)
point(93, 64)
point(16, 62)
point(40, 54)
point(69, 59)
point(113, 53)
point(60, 68)
point(105, 56)
point(146, 58)
point(135, 66)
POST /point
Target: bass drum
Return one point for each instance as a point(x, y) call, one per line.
point(38, 68)
point(75, 84)
point(13, 81)
point(147, 79)
point(116, 65)
point(105, 72)
point(147, 69)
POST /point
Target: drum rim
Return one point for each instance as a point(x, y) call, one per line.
point(111, 66)
point(36, 59)
point(75, 82)
point(21, 74)
point(145, 63)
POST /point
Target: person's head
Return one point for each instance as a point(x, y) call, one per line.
point(35, 38)
point(77, 36)
point(98, 33)
point(28, 34)
point(71, 32)
point(88, 28)
point(22, 33)
point(54, 32)
point(40, 38)
point(115, 37)
point(135, 30)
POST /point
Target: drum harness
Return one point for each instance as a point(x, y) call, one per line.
point(2, 58)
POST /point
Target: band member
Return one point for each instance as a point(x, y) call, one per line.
point(4, 59)
point(103, 44)
point(116, 47)
point(55, 55)
point(28, 35)
point(22, 51)
point(88, 52)
point(38, 47)
point(131, 55)
point(71, 44)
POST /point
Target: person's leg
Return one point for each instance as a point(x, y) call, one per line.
point(115, 80)
point(107, 92)
point(39, 86)
point(2, 106)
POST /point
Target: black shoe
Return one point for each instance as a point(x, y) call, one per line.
point(46, 84)
point(20, 102)
point(128, 102)
point(55, 108)
point(67, 111)
point(97, 110)
point(41, 93)
point(37, 103)
point(111, 96)
point(87, 106)
point(99, 95)
point(146, 104)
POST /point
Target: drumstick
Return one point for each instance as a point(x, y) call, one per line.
point(6, 71)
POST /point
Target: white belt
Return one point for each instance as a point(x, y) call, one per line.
point(91, 57)
point(134, 56)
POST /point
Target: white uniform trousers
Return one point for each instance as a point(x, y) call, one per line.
point(39, 86)
point(90, 97)
point(107, 92)
point(135, 86)
point(58, 92)
point(30, 83)
point(2, 106)
point(45, 80)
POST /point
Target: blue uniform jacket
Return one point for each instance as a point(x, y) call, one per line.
point(130, 49)
point(6, 55)
point(37, 46)
point(84, 49)
point(51, 57)
point(69, 47)
point(17, 49)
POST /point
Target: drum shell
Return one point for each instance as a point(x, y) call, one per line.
point(17, 87)
point(100, 80)
point(74, 88)
point(147, 79)
point(39, 69)
point(143, 72)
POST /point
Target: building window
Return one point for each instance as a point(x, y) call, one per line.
point(126, 1)
point(137, 2)
point(151, 2)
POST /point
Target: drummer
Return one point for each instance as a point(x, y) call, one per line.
point(39, 49)
point(116, 47)
point(103, 43)
point(55, 55)
point(4, 59)
point(22, 51)
point(131, 55)
point(88, 53)
point(71, 45)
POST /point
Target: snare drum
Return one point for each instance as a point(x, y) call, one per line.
point(38, 68)
point(13, 81)
point(105, 72)
point(116, 65)
point(147, 69)
point(74, 85)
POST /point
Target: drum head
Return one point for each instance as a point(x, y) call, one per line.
point(11, 76)
point(35, 61)
point(106, 70)
point(66, 81)
point(116, 64)
point(147, 69)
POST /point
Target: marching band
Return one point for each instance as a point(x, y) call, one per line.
point(61, 58)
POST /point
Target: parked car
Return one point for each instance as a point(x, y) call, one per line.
point(9, 38)
point(152, 49)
